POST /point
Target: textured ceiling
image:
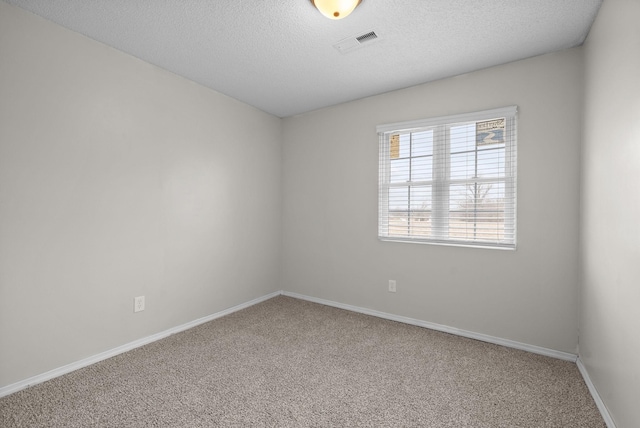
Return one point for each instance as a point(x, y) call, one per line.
point(278, 55)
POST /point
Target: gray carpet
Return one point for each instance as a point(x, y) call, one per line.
point(291, 363)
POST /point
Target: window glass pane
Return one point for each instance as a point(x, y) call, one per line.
point(491, 163)
point(477, 211)
point(420, 197)
point(405, 145)
point(495, 194)
point(463, 165)
point(421, 168)
point(460, 198)
point(470, 196)
point(420, 215)
point(482, 147)
point(419, 225)
point(400, 170)
point(463, 138)
point(398, 198)
point(398, 223)
point(422, 143)
point(483, 231)
point(398, 211)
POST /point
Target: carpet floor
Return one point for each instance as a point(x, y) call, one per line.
point(291, 363)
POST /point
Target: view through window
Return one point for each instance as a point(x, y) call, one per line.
point(450, 179)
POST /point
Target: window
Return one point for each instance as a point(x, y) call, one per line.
point(450, 180)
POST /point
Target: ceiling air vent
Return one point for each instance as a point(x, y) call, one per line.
point(351, 43)
point(367, 37)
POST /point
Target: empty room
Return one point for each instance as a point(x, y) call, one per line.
point(309, 213)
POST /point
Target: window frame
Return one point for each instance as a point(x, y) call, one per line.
point(441, 180)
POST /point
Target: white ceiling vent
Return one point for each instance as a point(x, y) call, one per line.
point(351, 43)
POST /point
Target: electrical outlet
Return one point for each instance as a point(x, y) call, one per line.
point(138, 304)
point(392, 286)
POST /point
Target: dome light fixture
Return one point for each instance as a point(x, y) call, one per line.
point(335, 9)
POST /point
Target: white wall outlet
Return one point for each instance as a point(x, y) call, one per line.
point(138, 304)
point(392, 286)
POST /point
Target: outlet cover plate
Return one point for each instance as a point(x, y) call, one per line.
point(138, 304)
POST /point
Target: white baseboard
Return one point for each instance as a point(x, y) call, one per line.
point(10, 389)
point(596, 397)
point(15, 387)
point(439, 327)
point(478, 336)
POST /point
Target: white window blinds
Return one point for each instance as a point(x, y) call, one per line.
point(449, 180)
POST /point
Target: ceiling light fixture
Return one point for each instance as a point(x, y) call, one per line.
point(335, 9)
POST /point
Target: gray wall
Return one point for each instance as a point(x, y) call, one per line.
point(118, 179)
point(330, 245)
point(609, 336)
